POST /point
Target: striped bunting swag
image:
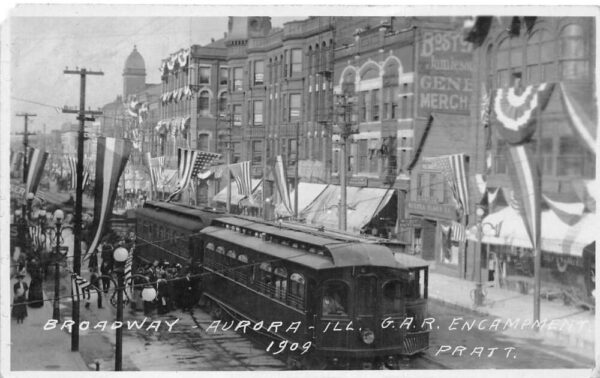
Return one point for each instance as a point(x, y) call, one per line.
point(242, 177)
point(280, 175)
point(37, 160)
point(111, 157)
point(191, 162)
point(579, 119)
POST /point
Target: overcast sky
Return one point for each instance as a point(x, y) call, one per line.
point(41, 48)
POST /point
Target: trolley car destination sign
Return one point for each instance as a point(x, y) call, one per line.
point(445, 64)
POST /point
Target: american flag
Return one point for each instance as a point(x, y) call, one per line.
point(80, 286)
point(242, 177)
point(454, 171)
point(191, 162)
point(155, 166)
point(458, 232)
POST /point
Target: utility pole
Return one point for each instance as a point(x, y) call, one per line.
point(296, 171)
point(537, 253)
point(346, 104)
point(26, 135)
point(81, 116)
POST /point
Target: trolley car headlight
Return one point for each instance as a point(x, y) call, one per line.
point(368, 336)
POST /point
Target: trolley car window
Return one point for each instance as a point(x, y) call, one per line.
point(231, 254)
point(335, 298)
point(392, 297)
point(416, 285)
point(243, 258)
point(210, 246)
point(366, 295)
point(297, 283)
point(265, 278)
point(280, 282)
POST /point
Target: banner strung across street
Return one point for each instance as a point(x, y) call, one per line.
point(111, 157)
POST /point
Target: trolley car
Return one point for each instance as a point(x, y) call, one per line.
point(351, 299)
point(323, 298)
point(169, 232)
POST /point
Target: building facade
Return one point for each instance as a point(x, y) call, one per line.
point(522, 51)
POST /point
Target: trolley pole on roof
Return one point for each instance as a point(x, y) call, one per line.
point(81, 116)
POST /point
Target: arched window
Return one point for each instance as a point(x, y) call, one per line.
point(390, 90)
point(370, 73)
point(509, 61)
point(243, 259)
point(540, 58)
point(573, 54)
point(231, 254)
point(203, 104)
point(280, 282)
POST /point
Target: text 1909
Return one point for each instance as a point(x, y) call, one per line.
point(289, 345)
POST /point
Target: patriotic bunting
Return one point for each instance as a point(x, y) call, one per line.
point(191, 162)
point(242, 177)
point(156, 168)
point(111, 157)
point(37, 160)
point(515, 109)
point(280, 175)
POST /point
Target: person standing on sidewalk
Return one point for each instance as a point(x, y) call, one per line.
point(19, 310)
point(106, 271)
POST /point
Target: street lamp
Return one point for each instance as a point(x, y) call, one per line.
point(148, 294)
point(478, 292)
point(30, 197)
point(58, 256)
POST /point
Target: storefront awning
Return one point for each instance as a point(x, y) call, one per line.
point(306, 195)
point(505, 227)
point(235, 196)
point(362, 205)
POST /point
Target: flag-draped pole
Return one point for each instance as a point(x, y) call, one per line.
point(518, 112)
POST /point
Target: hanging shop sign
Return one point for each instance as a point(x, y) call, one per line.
point(445, 68)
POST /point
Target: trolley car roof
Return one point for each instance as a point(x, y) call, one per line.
point(342, 254)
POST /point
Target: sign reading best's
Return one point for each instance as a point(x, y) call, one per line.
point(445, 69)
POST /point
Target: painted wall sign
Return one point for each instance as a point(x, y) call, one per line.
point(445, 66)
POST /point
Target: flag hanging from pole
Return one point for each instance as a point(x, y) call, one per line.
point(16, 161)
point(111, 157)
point(189, 163)
point(454, 170)
point(80, 287)
point(73, 168)
point(242, 177)
point(280, 176)
point(37, 160)
point(515, 109)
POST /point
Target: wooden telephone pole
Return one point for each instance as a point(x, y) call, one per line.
point(26, 135)
point(81, 116)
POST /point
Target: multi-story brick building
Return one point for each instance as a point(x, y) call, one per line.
point(523, 51)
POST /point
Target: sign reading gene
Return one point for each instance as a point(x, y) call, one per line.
point(445, 69)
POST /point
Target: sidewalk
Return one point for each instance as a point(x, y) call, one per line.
point(505, 304)
point(33, 349)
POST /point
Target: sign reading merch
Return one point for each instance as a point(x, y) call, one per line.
point(445, 68)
